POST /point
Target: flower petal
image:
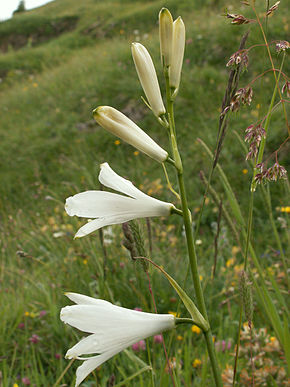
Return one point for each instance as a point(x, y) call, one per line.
point(96, 204)
point(109, 320)
point(111, 179)
point(96, 224)
point(81, 299)
point(89, 365)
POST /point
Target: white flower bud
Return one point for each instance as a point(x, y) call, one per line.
point(178, 44)
point(121, 126)
point(165, 36)
point(148, 78)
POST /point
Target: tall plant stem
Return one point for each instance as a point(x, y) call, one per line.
point(249, 230)
point(189, 234)
point(208, 180)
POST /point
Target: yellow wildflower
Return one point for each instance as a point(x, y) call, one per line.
point(245, 171)
point(285, 209)
point(173, 313)
point(117, 142)
point(230, 262)
point(179, 338)
point(196, 329)
point(196, 363)
point(136, 153)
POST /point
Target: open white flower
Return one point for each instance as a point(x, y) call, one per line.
point(110, 208)
point(148, 78)
point(112, 329)
point(121, 126)
point(178, 44)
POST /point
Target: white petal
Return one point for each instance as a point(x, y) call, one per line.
point(142, 211)
point(96, 224)
point(111, 179)
point(81, 299)
point(96, 204)
point(109, 320)
point(89, 365)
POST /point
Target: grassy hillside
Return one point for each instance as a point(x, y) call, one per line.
point(58, 63)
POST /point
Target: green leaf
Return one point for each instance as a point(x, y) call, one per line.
point(196, 316)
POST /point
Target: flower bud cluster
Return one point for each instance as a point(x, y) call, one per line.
point(239, 58)
point(254, 135)
point(282, 45)
point(238, 19)
point(244, 96)
point(286, 88)
point(270, 174)
point(273, 8)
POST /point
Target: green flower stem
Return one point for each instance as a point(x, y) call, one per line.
point(189, 234)
point(249, 230)
point(181, 320)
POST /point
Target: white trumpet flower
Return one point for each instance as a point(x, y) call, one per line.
point(178, 44)
point(165, 36)
point(112, 329)
point(110, 208)
point(148, 78)
point(121, 126)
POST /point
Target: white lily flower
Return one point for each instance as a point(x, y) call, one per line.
point(148, 78)
point(112, 329)
point(121, 126)
point(178, 44)
point(165, 36)
point(110, 208)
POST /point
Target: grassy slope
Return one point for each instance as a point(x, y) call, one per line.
point(46, 156)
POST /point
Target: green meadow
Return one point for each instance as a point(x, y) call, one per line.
point(59, 62)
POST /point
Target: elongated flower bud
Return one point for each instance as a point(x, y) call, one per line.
point(165, 36)
point(178, 44)
point(121, 126)
point(148, 78)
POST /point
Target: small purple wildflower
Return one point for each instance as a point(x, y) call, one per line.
point(158, 339)
point(26, 381)
point(139, 346)
point(34, 339)
point(42, 313)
